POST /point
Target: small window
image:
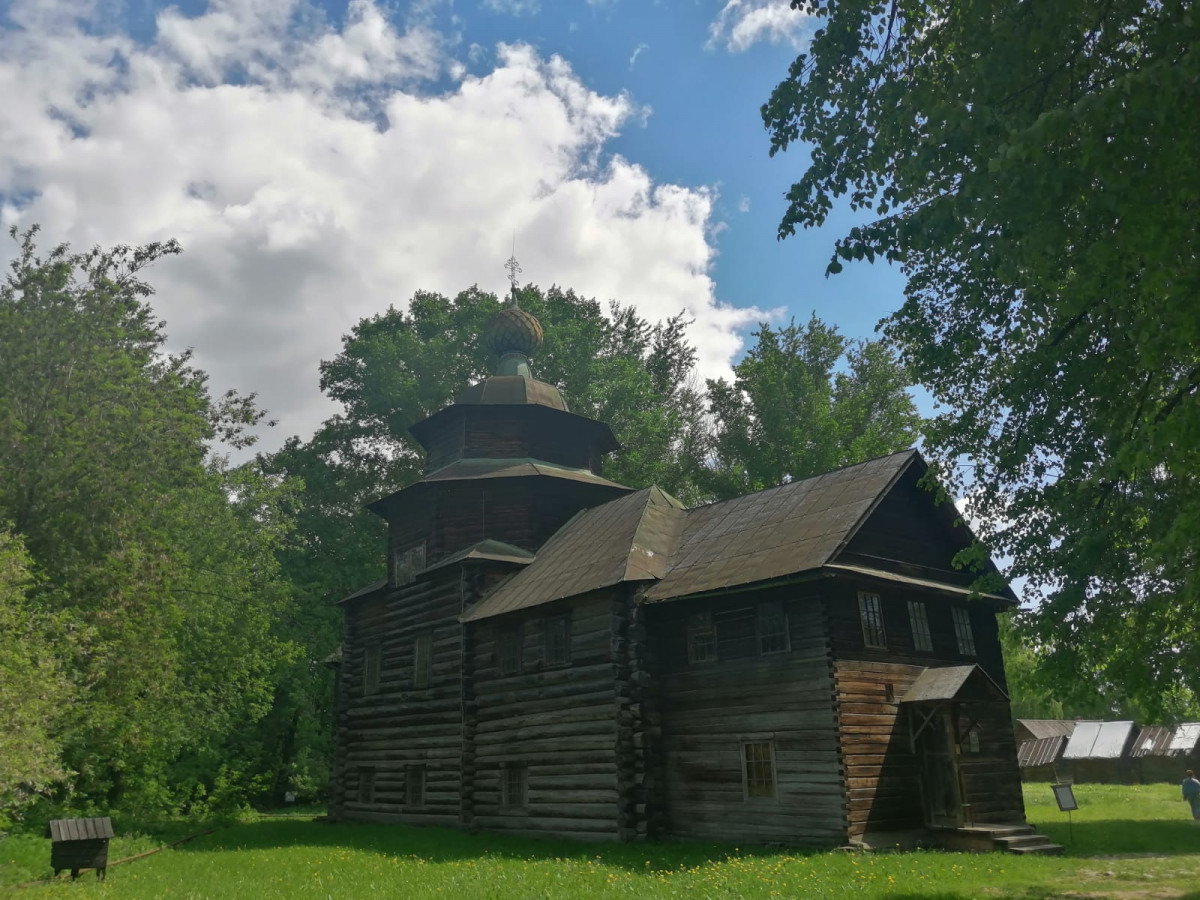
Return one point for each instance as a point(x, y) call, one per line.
point(973, 740)
point(922, 639)
point(407, 562)
point(414, 785)
point(702, 638)
point(422, 660)
point(366, 785)
point(556, 634)
point(372, 662)
point(511, 648)
point(759, 762)
point(962, 631)
point(870, 610)
point(514, 786)
point(772, 627)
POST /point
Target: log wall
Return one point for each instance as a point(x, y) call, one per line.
point(883, 775)
point(709, 709)
point(380, 735)
point(560, 722)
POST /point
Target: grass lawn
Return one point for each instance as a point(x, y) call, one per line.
point(1115, 832)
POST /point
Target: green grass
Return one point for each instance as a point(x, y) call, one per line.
point(294, 858)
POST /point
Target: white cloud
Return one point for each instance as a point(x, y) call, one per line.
point(744, 204)
point(743, 23)
point(514, 7)
point(637, 51)
point(314, 178)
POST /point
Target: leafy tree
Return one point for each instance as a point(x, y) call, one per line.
point(34, 693)
point(1034, 167)
point(157, 559)
point(790, 413)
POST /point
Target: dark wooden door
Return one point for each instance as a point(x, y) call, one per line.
point(940, 789)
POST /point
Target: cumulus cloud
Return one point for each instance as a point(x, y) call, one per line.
point(315, 176)
point(743, 23)
point(514, 7)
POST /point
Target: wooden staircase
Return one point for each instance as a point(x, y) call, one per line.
point(1020, 839)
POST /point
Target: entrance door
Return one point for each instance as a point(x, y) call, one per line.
point(937, 752)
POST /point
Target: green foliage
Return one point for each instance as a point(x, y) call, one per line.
point(790, 413)
point(34, 692)
point(155, 560)
point(1035, 167)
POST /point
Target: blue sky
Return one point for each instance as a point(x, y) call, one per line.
point(320, 162)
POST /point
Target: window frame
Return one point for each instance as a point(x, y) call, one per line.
point(422, 660)
point(549, 624)
point(868, 599)
point(964, 631)
point(372, 669)
point(751, 785)
point(514, 776)
point(510, 649)
point(917, 611)
point(365, 792)
point(408, 561)
point(414, 783)
point(701, 625)
point(763, 636)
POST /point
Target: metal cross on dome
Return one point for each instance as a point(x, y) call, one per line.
point(514, 267)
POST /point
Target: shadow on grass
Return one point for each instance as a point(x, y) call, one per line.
point(447, 844)
point(1091, 839)
point(1117, 837)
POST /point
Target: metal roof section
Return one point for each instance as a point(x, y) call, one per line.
point(1046, 728)
point(780, 531)
point(1185, 739)
point(1152, 740)
point(1098, 740)
point(628, 539)
point(1041, 751)
point(484, 551)
point(935, 685)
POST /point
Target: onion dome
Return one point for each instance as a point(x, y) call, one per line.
point(513, 330)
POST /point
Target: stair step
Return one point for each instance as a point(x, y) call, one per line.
point(1044, 848)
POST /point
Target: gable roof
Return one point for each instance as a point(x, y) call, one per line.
point(1099, 740)
point(947, 683)
point(628, 539)
point(799, 527)
point(780, 531)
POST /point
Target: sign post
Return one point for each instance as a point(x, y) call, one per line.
point(1066, 803)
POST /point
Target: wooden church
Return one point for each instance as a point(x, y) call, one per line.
point(556, 654)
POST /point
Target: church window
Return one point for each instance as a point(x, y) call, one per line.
point(422, 660)
point(372, 663)
point(511, 649)
point(917, 618)
point(407, 562)
point(366, 784)
point(758, 760)
point(870, 610)
point(701, 638)
point(514, 786)
point(556, 635)
point(414, 785)
point(772, 627)
point(962, 631)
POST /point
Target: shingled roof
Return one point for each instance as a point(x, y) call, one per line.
point(781, 531)
point(629, 539)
